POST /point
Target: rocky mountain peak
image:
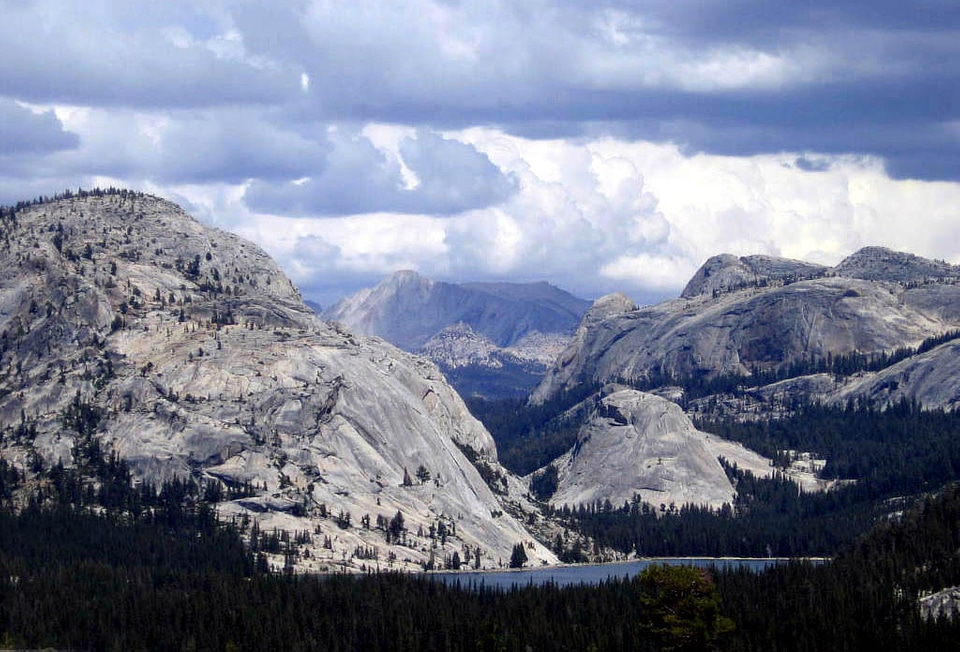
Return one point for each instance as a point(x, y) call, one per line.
point(757, 313)
point(608, 306)
point(510, 327)
point(882, 264)
point(460, 346)
point(185, 350)
point(406, 279)
point(408, 309)
point(136, 236)
point(570, 361)
point(726, 273)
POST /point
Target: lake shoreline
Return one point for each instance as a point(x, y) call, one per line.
point(572, 574)
point(633, 560)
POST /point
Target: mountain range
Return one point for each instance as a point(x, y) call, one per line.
point(184, 351)
point(760, 317)
point(490, 339)
point(748, 338)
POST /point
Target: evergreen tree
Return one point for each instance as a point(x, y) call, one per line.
point(681, 607)
point(518, 557)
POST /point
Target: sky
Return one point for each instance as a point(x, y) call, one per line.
point(603, 146)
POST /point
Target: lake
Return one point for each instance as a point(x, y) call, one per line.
point(593, 573)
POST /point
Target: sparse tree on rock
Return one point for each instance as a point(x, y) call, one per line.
point(423, 474)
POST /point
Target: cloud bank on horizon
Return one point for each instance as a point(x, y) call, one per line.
point(600, 146)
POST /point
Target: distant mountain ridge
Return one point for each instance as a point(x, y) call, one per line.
point(510, 331)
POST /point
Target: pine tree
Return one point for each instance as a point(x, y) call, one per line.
point(681, 607)
point(518, 557)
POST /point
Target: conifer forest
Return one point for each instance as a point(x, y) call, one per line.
point(106, 565)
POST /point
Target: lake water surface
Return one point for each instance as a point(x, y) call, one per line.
point(592, 574)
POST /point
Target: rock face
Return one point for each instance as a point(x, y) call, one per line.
point(932, 378)
point(460, 346)
point(942, 604)
point(635, 443)
point(738, 316)
point(742, 314)
point(882, 264)
point(186, 350)
point(726, 273)
point(475, 366)
point(476, 332)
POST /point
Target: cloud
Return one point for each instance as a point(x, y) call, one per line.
point(315, 263)
point(331, 258)
point(28, 132)
point(738, 78)
point(758, 21)
point(602, 215)
point(148, 54)
point(579, 215)
point(173, 147)
point(448, 177)
point(30, 138)
point(605, 215)
point(768, 204)
point(730, 78)
point(230, 146)
point(812, 164)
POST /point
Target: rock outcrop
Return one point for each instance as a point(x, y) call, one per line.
point(740, 315)
point(634, 443)
point(944, 604)
point(932, 378)
point(186, 350)
point(882, 264)
point(727, 273)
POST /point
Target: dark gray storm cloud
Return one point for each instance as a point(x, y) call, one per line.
point(28, 132)
point(739, 77)
point(761, 21)
point(692, 72)
point(230, 146)
point(450, 177)
point(146, 54)
point(214, 146)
